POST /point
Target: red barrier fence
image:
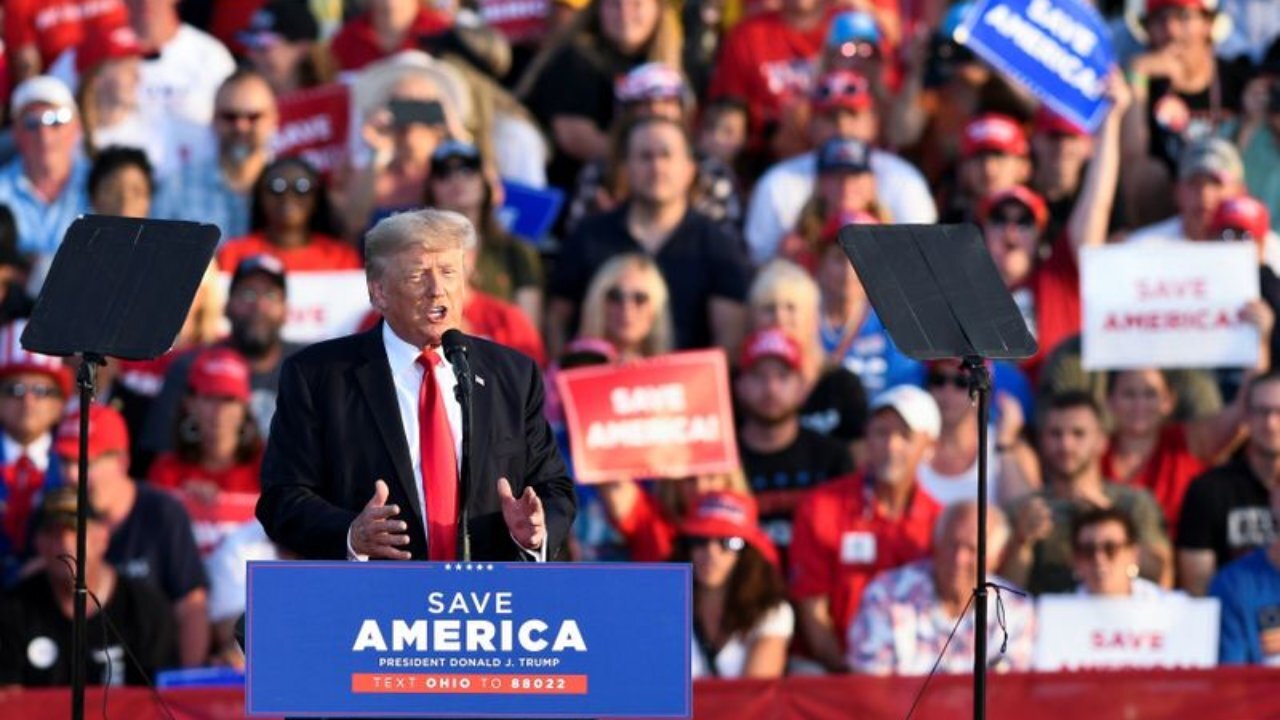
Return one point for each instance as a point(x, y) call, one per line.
point(1225, 694)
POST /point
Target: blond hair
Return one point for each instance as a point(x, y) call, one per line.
point(782, 278)
point(428, 228)
point(661, 336)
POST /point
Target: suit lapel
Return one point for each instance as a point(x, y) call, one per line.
point(378, 390)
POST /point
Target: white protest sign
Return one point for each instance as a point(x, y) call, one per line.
point(1173, 304)
point(1078, 632)
point(323, 304)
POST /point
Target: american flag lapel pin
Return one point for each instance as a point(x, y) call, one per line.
point(479, 381)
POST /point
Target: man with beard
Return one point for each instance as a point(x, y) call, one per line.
point(256, 307)
point(780, 459)
point(855, 527)
point(1072, 442)
point(217, 190)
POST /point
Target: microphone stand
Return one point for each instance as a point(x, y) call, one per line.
point(980, 386)
point(87, 381)
point(457, 355)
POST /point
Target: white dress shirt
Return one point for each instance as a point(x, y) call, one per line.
point(38, 450)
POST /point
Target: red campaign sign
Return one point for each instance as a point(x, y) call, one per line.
point(313, 125)
point(518, 20)
point(213, 521)
point(667, 417)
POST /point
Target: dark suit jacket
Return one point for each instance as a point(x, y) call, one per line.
point(337, 430)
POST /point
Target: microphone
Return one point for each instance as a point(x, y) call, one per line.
point(454, 344)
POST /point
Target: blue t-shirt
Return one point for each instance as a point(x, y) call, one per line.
point(873, 357)
point(1249, 591)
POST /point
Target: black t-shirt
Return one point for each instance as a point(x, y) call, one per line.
point(700, 260)
point(1174, 118)
point(155, 544)
point(1227, 510)
point(779, 480)
point(837, 406)
point(1269, 287)
point(35, 637)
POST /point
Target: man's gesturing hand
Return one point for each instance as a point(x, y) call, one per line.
point(524, 516)
point(375, 532)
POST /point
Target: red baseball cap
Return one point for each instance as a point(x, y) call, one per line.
point(728, 514)
point(842, 90)
point(1048, 122)
point(15, 359)
point(107, 433)
point(120, 43)
point(220, 372)
point(994, 133)
point(1241, 215)
point(1020, 194)
point(1208, 6)
point(770, 343)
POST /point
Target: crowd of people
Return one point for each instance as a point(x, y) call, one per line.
point(708, 152)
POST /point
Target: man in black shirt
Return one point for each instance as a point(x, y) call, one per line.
point(1227, 512)
point(150, 533)
point(781, 460)
point(706, 268)
point(35, 617)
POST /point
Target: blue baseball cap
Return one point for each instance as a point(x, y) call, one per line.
point(853, 26)
point(844, 155)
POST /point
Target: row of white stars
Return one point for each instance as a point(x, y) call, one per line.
point(468, 566)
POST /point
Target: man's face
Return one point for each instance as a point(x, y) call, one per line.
point(1179, 28)
point(257, 311)
point(46, 136)
point(843, 123)
point(30, 405)
point(1264, 418)
point(245, 119)
point(992, 172)
point(58, 541)
point(1198, 198)
point(394, 13)
point(1011, 235)
point(846, 192)
point(955, 557)
point(660, 169)
point(771, 392)
point(421, 293)
point(893, 449)
point(1071, 443)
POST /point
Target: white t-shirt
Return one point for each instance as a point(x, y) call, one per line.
point(1171, 231)
point(180, 83)
point(951, 489)
point(784, 189)
point(228, 569)
point(780, 622)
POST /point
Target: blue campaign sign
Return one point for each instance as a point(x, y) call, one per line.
point(468, 639)
point(1059, 49)
point(529, 212)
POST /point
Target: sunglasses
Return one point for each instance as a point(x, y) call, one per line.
point(859, 50)
point(831, 91)
point(234, 116)
point(941, 380)
point(1109, 548)
point(21, 390)
point(1231, 235)
point(729, 544)
point(448, 170)
point(48, 118)
point(280, 185)
point(619, 296)
point(1025, 223)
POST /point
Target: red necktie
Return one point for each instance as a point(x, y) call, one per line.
point(439, 464)
point(24, 482)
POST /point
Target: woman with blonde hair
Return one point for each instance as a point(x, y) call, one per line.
point(784, 296)
point(627, 305)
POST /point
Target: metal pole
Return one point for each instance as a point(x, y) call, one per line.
point(980, 385)
point(86, 380)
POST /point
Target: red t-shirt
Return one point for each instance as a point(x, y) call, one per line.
point(356, 44)
point(321, 253)
point(650, 535)
point(1055, 290)
point(232, 507)
point(22, 483)
point(842, 540)
point(490, 318)
point(764, 61)
point(52, 26)
point(1167, 472)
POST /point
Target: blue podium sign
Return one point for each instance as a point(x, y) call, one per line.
point(1059, 49)
point(468, 639)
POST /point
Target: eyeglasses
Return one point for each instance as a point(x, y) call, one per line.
point(234, 116)
point(730, 544)
point(941, 380)
point(21, 390)
point(281, 185)
point(48, 118)
point(618, 296)
point(449, 170)
point(1231, 235)
point(840, 89)
point(1025, 223)
point(1109, 548)
point(859, 50)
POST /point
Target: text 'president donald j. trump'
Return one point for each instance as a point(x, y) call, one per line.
point(364, 454)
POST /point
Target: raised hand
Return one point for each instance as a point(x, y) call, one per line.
point(375, 531)
point(524, 516)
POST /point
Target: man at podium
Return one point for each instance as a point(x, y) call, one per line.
point(365, 450)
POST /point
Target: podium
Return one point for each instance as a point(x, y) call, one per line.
point(468, 639)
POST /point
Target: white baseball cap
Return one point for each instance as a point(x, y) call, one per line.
point(42, 89)
point(915, 406)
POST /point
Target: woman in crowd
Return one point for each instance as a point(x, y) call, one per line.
point(214, 465)
point(570, 85)
point(950, 470)
point(506, 267)
point(1105, 555)
point(742, 622)
point(626, 305)
point(648, 90)
point(290, 220)
point(784, 296)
